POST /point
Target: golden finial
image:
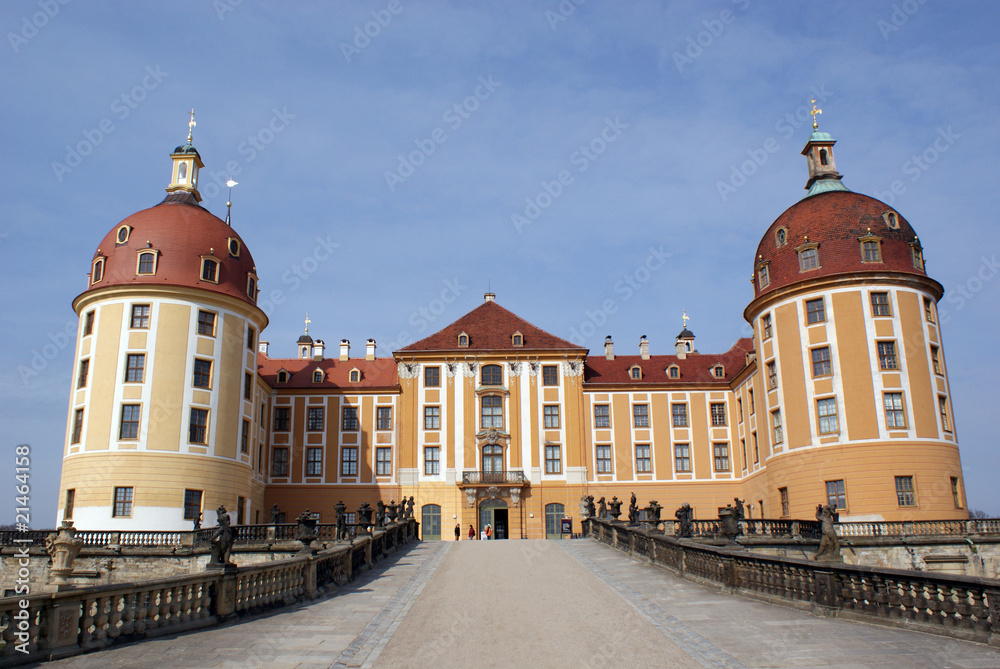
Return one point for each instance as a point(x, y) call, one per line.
point(191, 125)
point(686, 318)
point(307, 323)
point(814, 112)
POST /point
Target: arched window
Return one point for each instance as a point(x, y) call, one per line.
point(635, 373)
point(98, 272)
point(430, 522)
point(492, 412)
point(355, 375)
point(182, 173)
point(822, 157)
point(492, 375)
point(282, 376)
point(463, 340)
point(517, 339)
point(492, 458)
point(780, 237)
point(674, 372)
point(317, 376)
point(554, 514)
point(147, 263)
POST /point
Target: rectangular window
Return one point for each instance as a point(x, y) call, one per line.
point(282, 419)
point(808, 259)
point(349, 419)
point(895, 416)
point(432, 418)
point(314, 461)
point(815, 311)
point(783, 494)
point(772, 375)
point(192, 504)
point(836, 495)
point(88, 324)
point(928, 310)
point(140, 316)
point(943, 409)
point(261, 414)
point(763, 277)
point(550, 375)
point(123, 502)
point(765, 326)
point(247, 385)
point(936, 359)
point(551, 415)
point(77, 426)
point(349, 461)
point(491, 412)
point(720, 454)
point(739, 406)
point(202, 373)
point(206, 323)
point(776, 427)
point(680, 414)
point(279, 462)
point(432, 377)
point(71, 500)
point(129, 427)
point(753, 405)
point(905, 495)
point(881, 305)
point(870, 251)
point(432, 460)
point(887, 355)
point(743, 451)
point(553, 459)
point(314, 419)
point(827, 412)
point(251, 337)
point(135, 366)
point(682, 457)
point(643, 462)
point(718, 411)
point(956, 494)
point(383, 461)
point(260, 458)
point(821, 361)
point(602, 415)
point(81, 377)
point(198, 428)
point(383, 419)
point(245, 437)
point(640, 415)
point(756, 451)
point(604, 459)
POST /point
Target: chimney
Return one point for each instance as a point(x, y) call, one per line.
point(318, 350)
point(681, 348)
point(490, 297)
point(609, 348)
point(370, 349)
point(345, 350)
point(262, 347)
point(644, 347)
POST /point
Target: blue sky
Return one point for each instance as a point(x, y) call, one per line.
point(412, 135)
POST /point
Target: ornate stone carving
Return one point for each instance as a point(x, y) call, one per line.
point(469, 369)
point(515, 368)
point(470, 496)
point(450, 369)
point(408, 370)
point(515, 496)
point(63, 547)
point(574, 368)
point(494, 492)
point(533, 368)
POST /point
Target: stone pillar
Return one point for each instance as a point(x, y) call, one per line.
point(993, 597)
point(224, 599)
point(826, 600)
point(63, 629)
point(309, 578)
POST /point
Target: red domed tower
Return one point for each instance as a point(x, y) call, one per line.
point(849, 345)
point(164, 415)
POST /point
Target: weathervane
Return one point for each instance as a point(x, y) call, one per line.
point(686, 318)
point(307, 323)
point(814, 112)
point(191, 125)
point(229, 202)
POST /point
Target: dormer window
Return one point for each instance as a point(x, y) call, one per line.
point(209, 269)
point(719, 372)
point(146, 263)
point(234, 247)
point(808, 257)
point(891, 220)
point(123, 233)
point(635, 372)
point(674, 372)
point(282, 376)
point(517, 339)
point(252, 287)
point(318, 376)
point(871, 248)
point(355, 375)
point(917, 253)
point(780, 237)
point(763, 276)
point(98, 270)
point(463, 340)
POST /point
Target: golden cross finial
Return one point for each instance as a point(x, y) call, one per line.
point(686, 319)
point(307, 323)
point(191, 125)
point(814, 112)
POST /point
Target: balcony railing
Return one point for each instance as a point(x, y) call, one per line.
point(509, 477)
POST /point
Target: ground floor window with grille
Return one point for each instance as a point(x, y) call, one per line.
point(783, 494)
point(643, 463)
point(349, 462)
point(604, 459)
point(123, 502)
point(836, 494)
point(905, 495)
point(682, 457)
point(192, 504)
point(383, 461)
point(721, 454)
point(314, 462)
point(553, 459)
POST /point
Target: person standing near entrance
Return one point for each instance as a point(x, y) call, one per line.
point(458, 531)
point(472, 533)
point(489, 532)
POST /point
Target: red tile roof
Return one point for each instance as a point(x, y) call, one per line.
point(377, 373)
point(695, 368)
point(490, 328)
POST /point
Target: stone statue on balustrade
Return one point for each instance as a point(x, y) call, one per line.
point(222, 541)
point(380, 514)
point(591, 508)
point(685, 520)
point(829, 544)
point(341, 510)
point(602, 509)
point(728, 522)
point(62, 547)
point(653, 513)
point(409, 508)
point(365, 517)
point(393, 510)
point(616, 509)
point(740, 512)
point(305, 530)
point(275, 514)
point(197, 521)
point(633, 510)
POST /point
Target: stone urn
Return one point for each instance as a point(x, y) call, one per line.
point(63, 547)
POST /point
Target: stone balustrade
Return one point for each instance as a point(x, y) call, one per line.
point(960, 606)
point(74, 621)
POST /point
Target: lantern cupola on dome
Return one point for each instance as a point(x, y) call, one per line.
point(186, 163)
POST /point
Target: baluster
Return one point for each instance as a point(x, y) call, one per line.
point(128, 613)
point(87, 622)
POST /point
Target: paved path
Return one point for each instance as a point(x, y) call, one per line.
point(537, 604)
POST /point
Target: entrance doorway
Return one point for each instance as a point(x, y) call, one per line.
point(493, 512)
point(554, 514)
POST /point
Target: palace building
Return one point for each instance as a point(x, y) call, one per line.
point(841, 395)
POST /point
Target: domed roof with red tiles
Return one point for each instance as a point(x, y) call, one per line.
point(838, 221)
point(181, 233)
